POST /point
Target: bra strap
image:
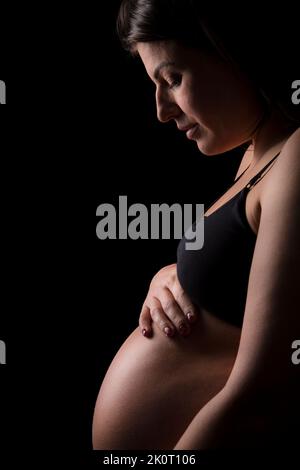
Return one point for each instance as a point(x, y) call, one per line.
point(241, 174)
point(260, 174)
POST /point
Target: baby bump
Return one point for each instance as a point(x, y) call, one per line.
point(154, 387)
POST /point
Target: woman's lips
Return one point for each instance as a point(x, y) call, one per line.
point(191, 133)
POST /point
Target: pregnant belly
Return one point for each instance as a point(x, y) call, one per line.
point(154, 387)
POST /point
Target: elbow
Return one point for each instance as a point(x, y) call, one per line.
point(261, 414)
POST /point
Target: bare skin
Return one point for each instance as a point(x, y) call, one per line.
point(155, 386)
point(160, 383)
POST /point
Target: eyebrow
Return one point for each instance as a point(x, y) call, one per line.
point(156, 73)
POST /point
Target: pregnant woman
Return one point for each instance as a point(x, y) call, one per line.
point(210, 365)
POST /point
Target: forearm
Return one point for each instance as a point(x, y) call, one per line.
point(224, 424)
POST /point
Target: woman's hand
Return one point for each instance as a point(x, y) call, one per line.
point(167, 305)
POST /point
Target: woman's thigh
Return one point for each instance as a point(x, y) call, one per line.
point(154, 387)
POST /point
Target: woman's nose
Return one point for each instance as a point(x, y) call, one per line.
point(166, 108)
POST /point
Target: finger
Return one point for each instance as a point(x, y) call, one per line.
point(186, 305)
point(145, 321)
point(160, 318)
point(174, 312)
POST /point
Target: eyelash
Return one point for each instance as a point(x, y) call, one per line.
point(174, 83)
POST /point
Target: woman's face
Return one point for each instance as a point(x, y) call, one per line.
point(207, 98)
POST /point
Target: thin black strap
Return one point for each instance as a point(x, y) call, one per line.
point(260, 174)
point(241, 174)
point(251, 183)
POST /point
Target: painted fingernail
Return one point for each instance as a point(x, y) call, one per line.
point(168, 331)
point(184, 330)
point(191, 317)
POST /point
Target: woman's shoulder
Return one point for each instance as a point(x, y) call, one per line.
point(292, 144)
point(289, 158)
point(285, 176)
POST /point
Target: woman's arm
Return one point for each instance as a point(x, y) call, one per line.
point(226, 423)
point(260, 386)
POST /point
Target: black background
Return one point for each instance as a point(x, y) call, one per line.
point(80, 130)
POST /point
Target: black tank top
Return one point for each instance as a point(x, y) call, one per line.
point(216, 277)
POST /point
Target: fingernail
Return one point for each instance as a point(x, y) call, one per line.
point(191, 317)
point(184, 330)
point(168, 331)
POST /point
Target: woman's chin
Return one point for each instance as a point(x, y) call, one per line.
point(206, 148)
point(211, 148)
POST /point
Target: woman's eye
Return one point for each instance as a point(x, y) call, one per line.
point(174, 82)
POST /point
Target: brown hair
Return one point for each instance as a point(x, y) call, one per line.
point(159, 20)
point(237, 35)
